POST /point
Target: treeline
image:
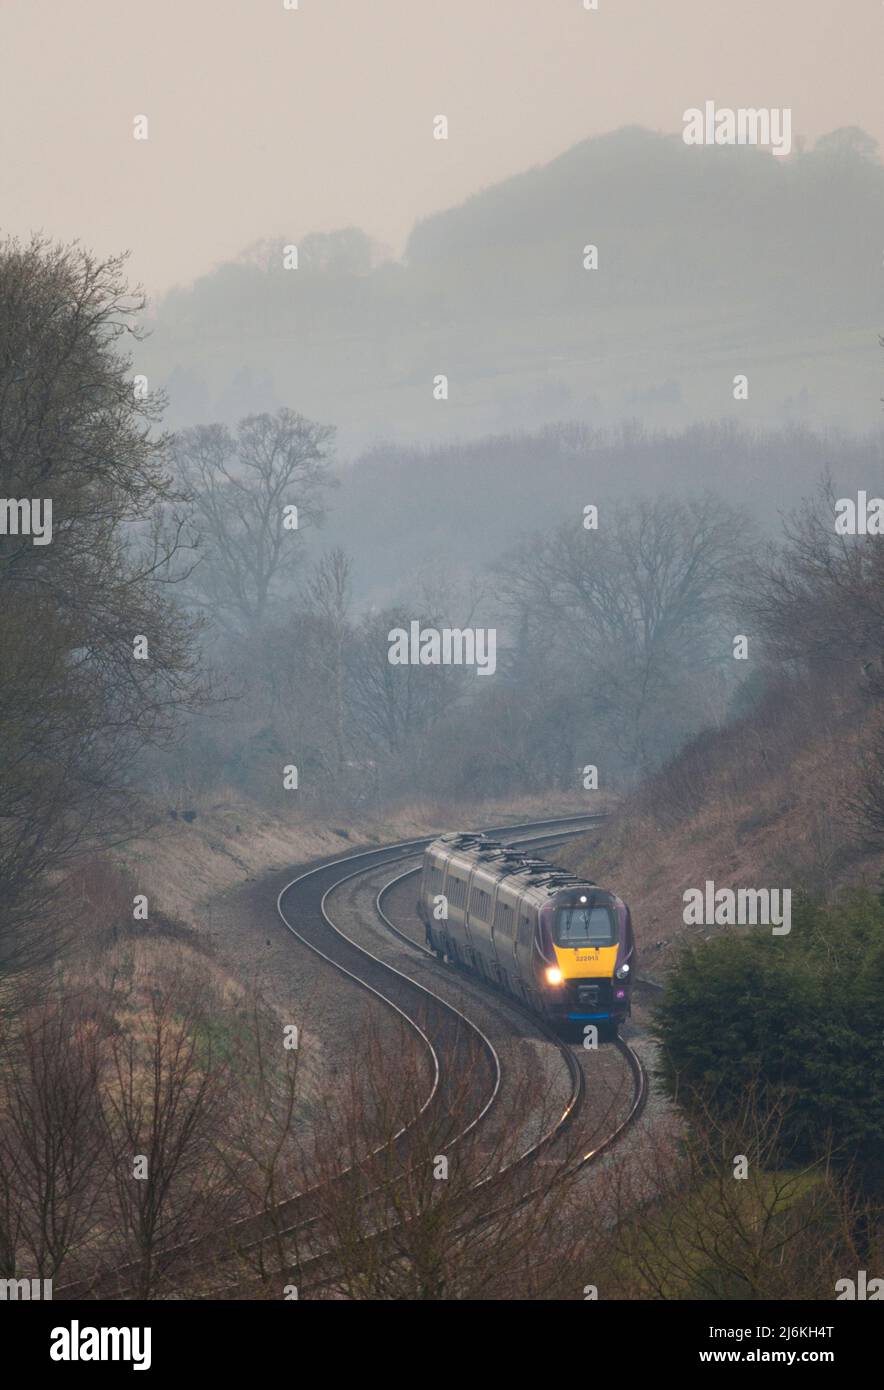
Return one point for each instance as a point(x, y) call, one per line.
point(614, 644)
point(450, 508)
point(98, 662)
point(813, 606)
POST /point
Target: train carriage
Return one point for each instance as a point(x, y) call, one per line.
point(561, 944)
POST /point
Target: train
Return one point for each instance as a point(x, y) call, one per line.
point(560, 944)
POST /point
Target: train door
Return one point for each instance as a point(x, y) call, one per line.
point(481, 911)
point(524, 948)
point(455, 890)
point(470, 951)
point(494, 963)
point(505, 921)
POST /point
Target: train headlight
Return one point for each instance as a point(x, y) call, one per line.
point(554, 975)
point(622, 971)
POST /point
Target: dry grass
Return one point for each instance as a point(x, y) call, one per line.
point(764, 803)
point(183, 865)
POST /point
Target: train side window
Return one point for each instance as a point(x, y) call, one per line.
point(503, 919)
point(480, 902)
point(525, 931)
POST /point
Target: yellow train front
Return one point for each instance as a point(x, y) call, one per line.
point(587, 956)
point(561, 944)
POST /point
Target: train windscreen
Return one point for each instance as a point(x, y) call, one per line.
point(585, 925)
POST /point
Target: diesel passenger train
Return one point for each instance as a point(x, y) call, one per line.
point(561, 944)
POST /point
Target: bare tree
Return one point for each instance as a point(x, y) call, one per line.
point(395, 707)
point(329, 593)
point(633, 612)
point(164, 1109)
point(818, 601)
point(712, 1212)
point(818, 597)
point(52, 1160)
point(244, 483)
point(444, 1215)
point(260, 1153)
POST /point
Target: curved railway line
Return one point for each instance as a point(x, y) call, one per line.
point(317, 930)
point(632, 1059)
point(453, 1045)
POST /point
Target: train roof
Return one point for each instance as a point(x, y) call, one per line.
point(505, 861)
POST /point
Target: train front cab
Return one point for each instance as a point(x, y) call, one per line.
point(587, 959)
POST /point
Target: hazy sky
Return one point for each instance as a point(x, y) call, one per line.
point(265, 121)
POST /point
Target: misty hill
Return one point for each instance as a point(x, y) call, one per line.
point(712, 261)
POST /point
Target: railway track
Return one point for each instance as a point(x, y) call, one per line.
point(629, 1054)
point(369, 971)
point(454, 1042)
point(453, 1045)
